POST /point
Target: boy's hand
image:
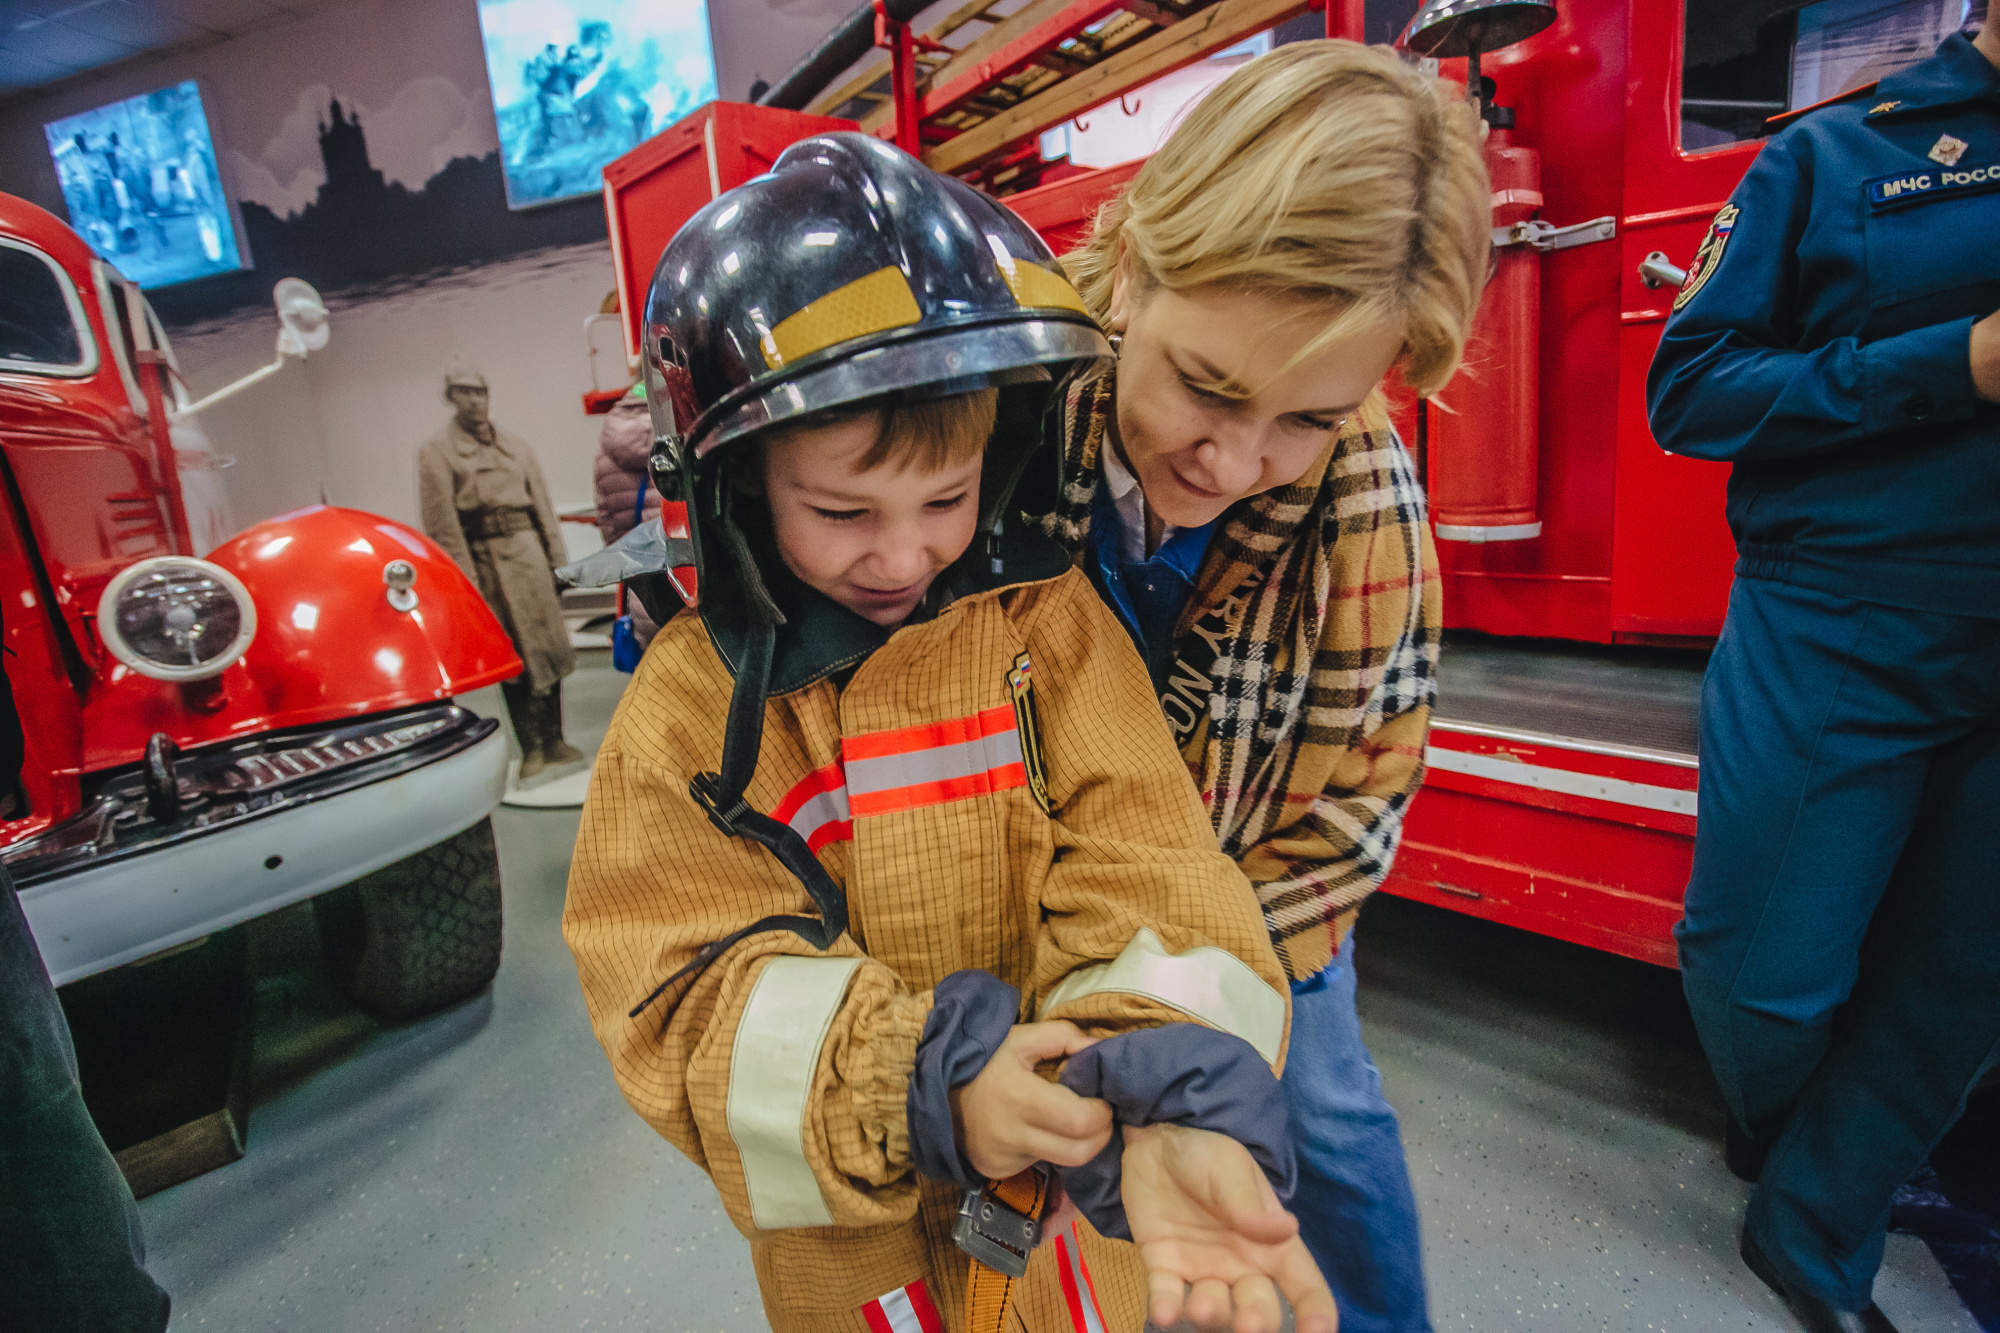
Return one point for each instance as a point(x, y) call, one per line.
point(1009, 1117)
point(1217, 1244)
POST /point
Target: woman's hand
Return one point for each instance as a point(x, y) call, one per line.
point(1217, 1244)
point(1010, 1117)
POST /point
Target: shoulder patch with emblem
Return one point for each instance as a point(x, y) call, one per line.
point(1028, 724)
point(1709, 254)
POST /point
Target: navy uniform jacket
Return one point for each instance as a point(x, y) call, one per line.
point(1821, 344)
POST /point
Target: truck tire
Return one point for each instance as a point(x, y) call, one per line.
point(420, 934)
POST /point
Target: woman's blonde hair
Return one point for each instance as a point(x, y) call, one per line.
point(1324, 170)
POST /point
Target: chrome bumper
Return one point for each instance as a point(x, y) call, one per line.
point(264, 823)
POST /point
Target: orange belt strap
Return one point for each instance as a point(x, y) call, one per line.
point(999, 1224)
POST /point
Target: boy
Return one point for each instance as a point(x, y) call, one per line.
point(966, 780)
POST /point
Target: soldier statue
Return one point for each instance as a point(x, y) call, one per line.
point(484, 501)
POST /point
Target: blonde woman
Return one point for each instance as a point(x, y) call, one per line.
point(1237, 495)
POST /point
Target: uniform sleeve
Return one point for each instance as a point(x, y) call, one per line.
point(780, 1070)
point(1729, 381)
point(1361, 763)
point(1145, 921)
point(438, 506)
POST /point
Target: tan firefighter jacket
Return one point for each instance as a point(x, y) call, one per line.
point(920, 786)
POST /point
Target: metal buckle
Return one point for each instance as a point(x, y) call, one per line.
point(995, 1234)
point(706, 791)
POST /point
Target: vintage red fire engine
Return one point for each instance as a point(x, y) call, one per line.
point(215, 735)
point(1585, 570)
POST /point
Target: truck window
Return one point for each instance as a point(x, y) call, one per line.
point(39, 316)
point(1743, 61)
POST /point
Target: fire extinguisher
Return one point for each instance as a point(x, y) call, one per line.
point(1483, 428)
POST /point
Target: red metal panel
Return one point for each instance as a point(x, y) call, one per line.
point(1062, 212)
point(1599, 882)
point(51, 718)
point(1672, 553)
point(328, 646)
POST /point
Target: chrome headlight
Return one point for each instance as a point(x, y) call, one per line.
point(176, 618)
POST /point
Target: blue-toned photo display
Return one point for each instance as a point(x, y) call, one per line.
point(140, 180)
point(577, 83)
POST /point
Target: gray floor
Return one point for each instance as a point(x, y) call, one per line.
point(478, 1170)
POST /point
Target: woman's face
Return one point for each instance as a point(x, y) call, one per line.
point(1195, 452)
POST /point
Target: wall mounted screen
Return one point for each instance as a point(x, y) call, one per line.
point(577, 83)
point(140, 181)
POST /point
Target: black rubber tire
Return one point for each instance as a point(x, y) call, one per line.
point(420, 934)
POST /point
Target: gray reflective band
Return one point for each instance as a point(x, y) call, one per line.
point(1207, 983)
point(771, 1071)
point(939, 763)
point(1462, 532)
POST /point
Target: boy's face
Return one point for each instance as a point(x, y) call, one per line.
point(873, 540)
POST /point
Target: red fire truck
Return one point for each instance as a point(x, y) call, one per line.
point(212, 736)
point(1585, 570)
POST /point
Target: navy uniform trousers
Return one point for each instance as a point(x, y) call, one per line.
point(71, 1258)
point(1841, 946)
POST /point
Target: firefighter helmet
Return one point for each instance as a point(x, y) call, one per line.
point(850, 275)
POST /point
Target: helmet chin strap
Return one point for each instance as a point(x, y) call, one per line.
point(721, 796)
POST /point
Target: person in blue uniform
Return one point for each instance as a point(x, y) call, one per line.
point(1836, 341)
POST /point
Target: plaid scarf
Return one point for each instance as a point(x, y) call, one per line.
point(1305, 671)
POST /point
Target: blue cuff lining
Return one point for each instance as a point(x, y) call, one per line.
point(971, 1014)
point(1183, 1074)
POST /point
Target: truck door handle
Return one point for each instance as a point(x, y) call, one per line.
point(1656, 269)
point(1539, 235)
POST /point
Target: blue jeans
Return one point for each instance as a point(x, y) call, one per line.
point(1354, 1202)
point(1841, 944)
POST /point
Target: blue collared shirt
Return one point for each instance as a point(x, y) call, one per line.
point(1148, 593)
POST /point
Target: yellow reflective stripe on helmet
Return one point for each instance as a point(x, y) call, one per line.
point(1207, 983)
point(880, 301)
point(771, 1071)
point(1036, 287)
point(1033, 286)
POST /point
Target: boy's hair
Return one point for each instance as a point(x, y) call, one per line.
point(930, 436)
point(1324, 170)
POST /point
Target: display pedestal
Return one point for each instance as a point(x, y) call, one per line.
point(163, 1048)
point(563, 793)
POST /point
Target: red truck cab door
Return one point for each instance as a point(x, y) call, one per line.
point(1702, 76)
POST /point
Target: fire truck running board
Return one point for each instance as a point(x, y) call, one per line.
point(1619, 791)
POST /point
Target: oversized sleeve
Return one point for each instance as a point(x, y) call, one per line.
point(437, 505)
point(1145, 921)
point(1151, 938)
point(779, 1070)
point(1359, 763)
point(1731, 381)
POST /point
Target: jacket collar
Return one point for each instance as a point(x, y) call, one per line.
point(1957, 73)
point(468, 444)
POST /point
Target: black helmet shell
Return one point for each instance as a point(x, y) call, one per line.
point(850, 271)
